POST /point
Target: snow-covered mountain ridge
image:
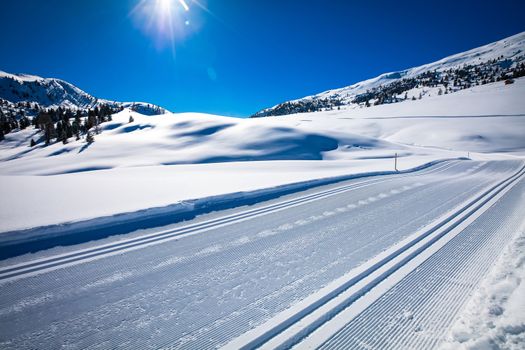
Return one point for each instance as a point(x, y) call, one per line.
point(501, 60)
point(27, 93)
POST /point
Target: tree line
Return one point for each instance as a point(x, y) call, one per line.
point(57, 124)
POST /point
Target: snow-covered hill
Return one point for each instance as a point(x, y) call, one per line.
point(21, 91)
point(497, 61)
point(488, 118)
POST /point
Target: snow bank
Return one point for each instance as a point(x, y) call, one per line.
point(494, 317)
point(37, 201)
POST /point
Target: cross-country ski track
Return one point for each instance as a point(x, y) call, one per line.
point(379, 262)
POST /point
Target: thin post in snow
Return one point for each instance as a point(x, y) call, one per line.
point(395, 162)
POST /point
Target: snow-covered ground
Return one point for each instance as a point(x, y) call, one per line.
point(327, 257)
point(406, 249)
point(494, 316)
point(157, 161)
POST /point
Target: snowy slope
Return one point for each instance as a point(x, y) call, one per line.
point(186, 138)
point(192, 138)
point(487, 118)
point(45, 92)
point(50, 92)
point(509, 51)
point(171, 158)
point(508, 48)
point(173, 148)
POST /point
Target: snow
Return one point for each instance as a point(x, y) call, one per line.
point(230, 273)
point(46, 92)
point(493, 317)
point(483, 100)
point(20, 77)
point(108, 192)
point(52, 92)
point(487, 118)
point(388, 260)
point(162, 160)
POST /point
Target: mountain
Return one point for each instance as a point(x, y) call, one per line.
point(501, 60)
point(22, 92)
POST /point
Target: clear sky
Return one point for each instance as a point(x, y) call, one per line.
point(235, 57)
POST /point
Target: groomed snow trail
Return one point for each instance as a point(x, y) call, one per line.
point(416, 312)
point(323, 313)
point(206, 285)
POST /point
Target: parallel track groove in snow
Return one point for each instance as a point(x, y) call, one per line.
point(377, 315)
point(271, 303)
point(434, 292)
point(295, 324)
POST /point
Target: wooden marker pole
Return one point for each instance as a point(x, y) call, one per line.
point(395, 162)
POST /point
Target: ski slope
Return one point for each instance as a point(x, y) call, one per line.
point(307, 269)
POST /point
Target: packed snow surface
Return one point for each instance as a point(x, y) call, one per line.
point(205, 283)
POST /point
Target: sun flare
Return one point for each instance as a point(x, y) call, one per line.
point(184, 5)
point(166, 21)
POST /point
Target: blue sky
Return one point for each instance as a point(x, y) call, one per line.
point(239, 56)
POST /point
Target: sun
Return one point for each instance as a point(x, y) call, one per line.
point(166, 21)
point(164, 5)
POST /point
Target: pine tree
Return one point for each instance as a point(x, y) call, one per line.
point(59, 131)
point(32, 143)
point(2, 135)
point(49, 130)
point(90, 138)
point(131, 120)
